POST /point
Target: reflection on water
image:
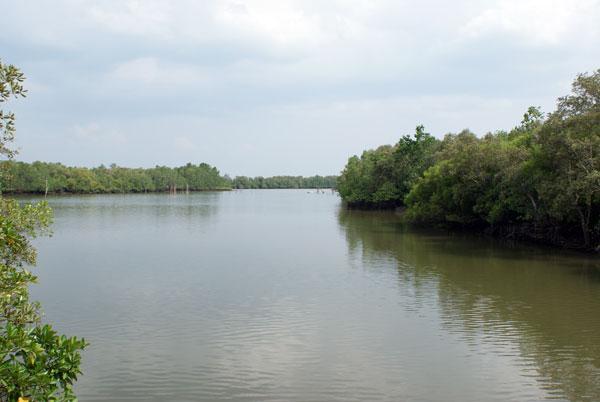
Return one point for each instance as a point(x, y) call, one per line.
point(540, 305)
point(284, 296)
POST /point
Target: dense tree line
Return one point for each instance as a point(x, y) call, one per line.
point(42, 177)
point(39, 177)
point(540, 180)
point(260, 182)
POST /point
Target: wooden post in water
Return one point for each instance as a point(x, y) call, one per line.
point(187, 188)
point(46, 192)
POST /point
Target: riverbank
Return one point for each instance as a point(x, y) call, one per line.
point(552, 236)
point(56, 178)
point(60, 193)
point(539, 181)
point(65, 193)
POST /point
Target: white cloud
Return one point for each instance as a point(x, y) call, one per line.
point(537, 21)
point(152, 18)
point(270, 23)
point(278, 22)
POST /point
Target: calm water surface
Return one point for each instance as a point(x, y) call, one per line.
point(284, 296)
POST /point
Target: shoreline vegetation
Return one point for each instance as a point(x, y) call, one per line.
point(36, 362)
point(56, 178)
point(285, 182)
point(539, 181)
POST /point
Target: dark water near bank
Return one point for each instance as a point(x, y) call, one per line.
point(284, 296)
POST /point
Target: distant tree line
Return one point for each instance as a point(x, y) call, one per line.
point(260, 182)
point(541, 180)
point(41, 177)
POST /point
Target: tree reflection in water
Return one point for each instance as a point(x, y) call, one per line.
point(541, 305)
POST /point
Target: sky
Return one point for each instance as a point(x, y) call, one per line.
point(269, 87)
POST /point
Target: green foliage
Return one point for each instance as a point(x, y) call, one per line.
point(39, 363)
point(367, 180)
point(544, 173)
point(259, 182)
point(542, 177)
point(36, 177)
point(17, 225)
point(11, 85)
point(569, 154)
point(383, 177)
point(35, 361)
point(468, 184)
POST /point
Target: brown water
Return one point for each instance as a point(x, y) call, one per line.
point(285, 296)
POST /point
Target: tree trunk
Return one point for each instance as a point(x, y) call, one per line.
point(584, 226)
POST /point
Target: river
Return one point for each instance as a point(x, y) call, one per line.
point(283, 295)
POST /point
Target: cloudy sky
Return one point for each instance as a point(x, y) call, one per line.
point(264, 87)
